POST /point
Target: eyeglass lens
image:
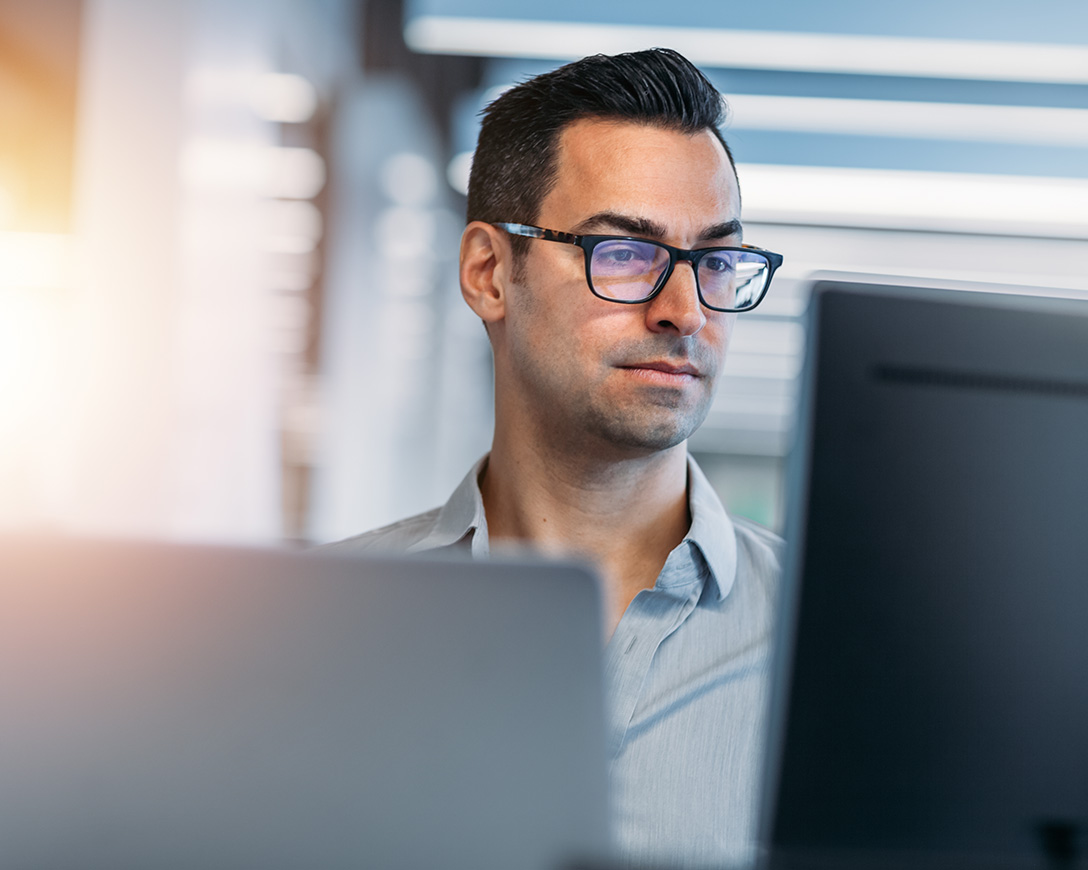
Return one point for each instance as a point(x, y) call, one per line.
point(630, 270)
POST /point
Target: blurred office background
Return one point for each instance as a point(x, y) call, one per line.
point(228, 229)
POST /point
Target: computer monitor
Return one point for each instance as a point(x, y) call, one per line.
point(931, 699)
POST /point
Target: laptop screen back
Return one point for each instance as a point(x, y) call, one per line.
point(199, 707)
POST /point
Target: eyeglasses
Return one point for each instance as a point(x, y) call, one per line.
point(632, 270)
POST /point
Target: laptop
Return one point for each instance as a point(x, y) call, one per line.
point(175, 706)
point(931, 697)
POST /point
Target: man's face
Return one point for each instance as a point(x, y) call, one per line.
point(598, 374)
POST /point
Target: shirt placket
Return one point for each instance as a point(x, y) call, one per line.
point(652, 616)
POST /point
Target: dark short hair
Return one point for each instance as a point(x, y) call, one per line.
point(514, 166)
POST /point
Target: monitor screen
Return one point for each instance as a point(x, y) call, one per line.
point(931, 703)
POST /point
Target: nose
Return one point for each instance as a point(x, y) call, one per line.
point(677, 309)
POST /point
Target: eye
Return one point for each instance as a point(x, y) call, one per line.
point(720, 263)
point(620, 253)
point(626, 256)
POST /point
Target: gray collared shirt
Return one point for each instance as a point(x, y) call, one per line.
point(686, 669)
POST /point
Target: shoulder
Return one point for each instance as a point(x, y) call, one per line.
point(760, 552)
point(752, 534)
point(396, 537)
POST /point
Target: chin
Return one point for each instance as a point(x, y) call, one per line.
point(649, 436)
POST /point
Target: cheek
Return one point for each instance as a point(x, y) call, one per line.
point(722, 327)
point(600, 329)
point(541, 334)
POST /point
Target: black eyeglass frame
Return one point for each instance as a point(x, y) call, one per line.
point(589, 242)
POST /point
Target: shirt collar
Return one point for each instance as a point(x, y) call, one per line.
point(711, 529)
point(461, 518)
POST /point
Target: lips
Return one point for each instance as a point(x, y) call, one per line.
point(665, 367)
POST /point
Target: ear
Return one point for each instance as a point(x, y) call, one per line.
point(486, 266)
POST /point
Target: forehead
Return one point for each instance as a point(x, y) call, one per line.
point(682, 181)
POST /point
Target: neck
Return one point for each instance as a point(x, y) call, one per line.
point(622, 513)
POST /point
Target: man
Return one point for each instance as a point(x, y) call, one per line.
point(597, 194)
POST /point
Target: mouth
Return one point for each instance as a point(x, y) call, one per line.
point(664, 366)
point(663, 372)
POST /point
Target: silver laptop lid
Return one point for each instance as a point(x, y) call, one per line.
point(168, 706)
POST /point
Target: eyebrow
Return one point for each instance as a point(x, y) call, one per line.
point(637, 226)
